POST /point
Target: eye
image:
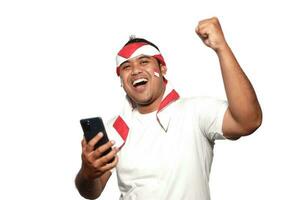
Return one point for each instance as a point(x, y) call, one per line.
point(144, 61)
point(125, 67)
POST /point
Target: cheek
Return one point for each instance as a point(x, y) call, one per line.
point(124, 82)
point(123, 77)
point(155, 71)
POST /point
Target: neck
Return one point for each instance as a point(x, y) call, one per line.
point(148, 108)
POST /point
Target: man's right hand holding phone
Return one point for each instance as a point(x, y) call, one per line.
point(94, 164)
point(95, 169)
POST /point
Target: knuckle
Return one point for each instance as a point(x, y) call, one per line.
point(90, 145)
point(106, 159)
point(212, 26)
point(95, 165)
point(101, 170)
point(106, 146)
point(214, 18)
point(84, 156)
point(100, 150)
point(89, 161)
point(113, 152)
point(113, 164)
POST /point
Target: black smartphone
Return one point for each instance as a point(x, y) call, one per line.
point(91, 127)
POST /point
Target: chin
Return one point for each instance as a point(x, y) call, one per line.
point(142, 101)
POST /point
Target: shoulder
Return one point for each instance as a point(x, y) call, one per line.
point(201, 101)
point(202, 105)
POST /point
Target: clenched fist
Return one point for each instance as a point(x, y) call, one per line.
point(210, 31)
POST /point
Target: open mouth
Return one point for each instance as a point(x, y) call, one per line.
point(139, 82)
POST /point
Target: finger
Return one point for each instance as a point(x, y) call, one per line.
point(203, 35)
point(202, 28)
point(203, 24)
point(100, 150)
point(92, 142)
point(111, 165)
point(83, 143)
point(110, 156)
point(212, 26)
point(208, 21)
point(203, 31)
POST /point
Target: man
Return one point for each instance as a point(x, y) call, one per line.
point(165, 143)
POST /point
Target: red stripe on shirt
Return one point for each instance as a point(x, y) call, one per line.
point(172, 96)
point(121, 127)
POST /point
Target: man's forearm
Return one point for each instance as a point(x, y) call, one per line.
point(243, 103)
point(88, 188)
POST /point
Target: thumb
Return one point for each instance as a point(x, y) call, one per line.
point(203, 36)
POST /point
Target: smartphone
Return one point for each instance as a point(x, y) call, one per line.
point(91, 127)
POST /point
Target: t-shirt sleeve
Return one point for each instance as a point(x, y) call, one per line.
point(211, 115)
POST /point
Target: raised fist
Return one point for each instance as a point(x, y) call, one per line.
point(210, 31)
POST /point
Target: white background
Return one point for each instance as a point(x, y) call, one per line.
point(57, 65)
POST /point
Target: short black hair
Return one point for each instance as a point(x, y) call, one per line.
point(135, 40)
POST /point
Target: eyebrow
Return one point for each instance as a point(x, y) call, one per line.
point(124, 63)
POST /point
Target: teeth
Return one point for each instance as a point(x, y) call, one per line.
point(139, 81)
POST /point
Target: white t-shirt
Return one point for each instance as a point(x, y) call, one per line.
point(159, 164)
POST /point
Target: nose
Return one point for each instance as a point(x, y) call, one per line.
point(136, 69)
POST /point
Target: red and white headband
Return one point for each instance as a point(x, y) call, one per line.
point(135, 49)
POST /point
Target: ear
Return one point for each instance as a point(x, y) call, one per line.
point(121, 81)
point(163, 69)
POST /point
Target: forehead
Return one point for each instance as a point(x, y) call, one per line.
point(136, 58)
